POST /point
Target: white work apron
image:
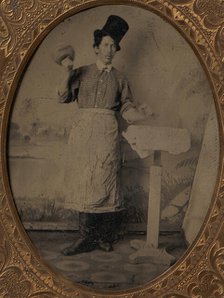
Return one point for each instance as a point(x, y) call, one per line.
point(93, 162)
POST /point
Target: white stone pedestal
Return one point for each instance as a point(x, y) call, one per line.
point(144, 139)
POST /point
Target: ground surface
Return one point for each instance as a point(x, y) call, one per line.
point(101, 270)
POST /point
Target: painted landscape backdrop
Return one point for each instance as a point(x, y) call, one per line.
point(164, 74)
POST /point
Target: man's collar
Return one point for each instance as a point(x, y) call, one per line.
point(101, 66)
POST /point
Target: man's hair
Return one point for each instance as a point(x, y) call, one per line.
point(98, 36)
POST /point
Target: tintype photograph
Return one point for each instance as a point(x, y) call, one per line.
point(113, 137)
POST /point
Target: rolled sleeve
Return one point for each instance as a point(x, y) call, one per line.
point(127, 101)
point(68, 90)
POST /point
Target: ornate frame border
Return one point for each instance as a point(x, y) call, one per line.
point(199, 273)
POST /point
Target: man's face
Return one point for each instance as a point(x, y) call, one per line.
point(106, 50)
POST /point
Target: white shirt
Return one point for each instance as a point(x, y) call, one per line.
point(101, 66)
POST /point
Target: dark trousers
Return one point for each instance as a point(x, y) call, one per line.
point(103, 227)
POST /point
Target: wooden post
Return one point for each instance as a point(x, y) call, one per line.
point(155, 175)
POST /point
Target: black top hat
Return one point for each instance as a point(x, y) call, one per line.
point(115, 27)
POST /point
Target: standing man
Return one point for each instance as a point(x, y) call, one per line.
point(101, 91)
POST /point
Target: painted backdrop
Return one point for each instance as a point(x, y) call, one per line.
point(164, 74)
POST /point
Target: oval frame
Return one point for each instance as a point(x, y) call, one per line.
point(22, 271)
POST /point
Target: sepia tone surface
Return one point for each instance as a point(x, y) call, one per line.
point(214, 217)
point(40, 127)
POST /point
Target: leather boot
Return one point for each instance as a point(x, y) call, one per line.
point(87, 236)
point(109, 228)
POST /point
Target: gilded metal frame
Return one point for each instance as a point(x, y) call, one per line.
point(199, 273)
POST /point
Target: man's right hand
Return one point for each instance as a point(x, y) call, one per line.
point(67, 64)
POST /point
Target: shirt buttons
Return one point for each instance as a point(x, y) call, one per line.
point(101, 81)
